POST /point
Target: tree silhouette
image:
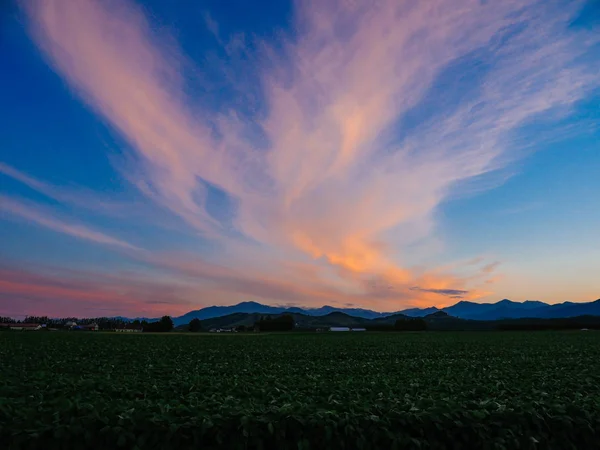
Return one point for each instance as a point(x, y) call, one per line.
point(195, 325)
point(166, 323)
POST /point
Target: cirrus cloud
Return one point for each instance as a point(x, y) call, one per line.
point(349, 154)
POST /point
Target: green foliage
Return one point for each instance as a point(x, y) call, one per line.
point(195, 325)
point(164, 325)
point(281, 323)
point(300, 391)
point(37, 319)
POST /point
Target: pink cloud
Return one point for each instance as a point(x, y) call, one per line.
point(334, 183)
point(82, 294)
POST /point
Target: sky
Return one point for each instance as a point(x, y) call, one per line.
point(159, 157)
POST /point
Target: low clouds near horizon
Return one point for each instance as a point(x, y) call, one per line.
point(318, 178)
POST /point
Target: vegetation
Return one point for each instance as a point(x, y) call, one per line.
point(195, 325)
point(281, 323)
point(104, 323)
point(410, 324)
point(164, 325)
point(439, 321)
point(300, 391)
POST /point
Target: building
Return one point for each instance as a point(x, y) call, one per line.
point(89, 327)
point(359, 329)
point(21, 326)
point(339, 329)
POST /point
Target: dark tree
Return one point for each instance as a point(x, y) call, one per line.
point(136, 323)
point(37, 319)
point(281, 323)
point(7, 320)
point(164, 325)
point(195, 325)
point(410, 325)
point(241, 328)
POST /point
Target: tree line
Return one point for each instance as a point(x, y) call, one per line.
point(165, 324)
point(286, 322)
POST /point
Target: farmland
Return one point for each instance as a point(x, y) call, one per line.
point(300, 391)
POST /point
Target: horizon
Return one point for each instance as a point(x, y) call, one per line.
point(286, 308)
point(161, 158)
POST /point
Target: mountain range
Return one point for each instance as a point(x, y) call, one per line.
point(504, 309)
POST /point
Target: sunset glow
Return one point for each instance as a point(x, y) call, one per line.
point(164, 158)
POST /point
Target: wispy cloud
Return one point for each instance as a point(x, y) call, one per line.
point(33, 214)
point(453, 293)
point(521, 208)
point(332, 166)
point(80, 197)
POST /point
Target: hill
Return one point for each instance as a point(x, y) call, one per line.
point(254, 307)
point(438, 321)
point(333, 319)
point(504, 309)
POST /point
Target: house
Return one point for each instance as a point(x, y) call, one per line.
point(339, 329)
point(21, 326)
point(70, 324)
point(359, 329)
point(89, 327)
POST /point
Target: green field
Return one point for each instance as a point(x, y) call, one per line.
point(297, 391)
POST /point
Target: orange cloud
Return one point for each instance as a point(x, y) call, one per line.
point(335, 182)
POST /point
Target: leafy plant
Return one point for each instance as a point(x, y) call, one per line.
point(300, 391)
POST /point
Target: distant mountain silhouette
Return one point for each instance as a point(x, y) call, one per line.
point(504, 309)
point(218, 311)
point(254, 307)
point(439, 315)
point(419, 312)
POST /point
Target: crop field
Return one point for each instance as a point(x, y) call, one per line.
point(300, 391)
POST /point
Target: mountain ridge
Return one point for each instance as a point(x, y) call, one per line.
point(503, 309)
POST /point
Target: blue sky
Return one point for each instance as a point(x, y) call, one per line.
point(158, 158)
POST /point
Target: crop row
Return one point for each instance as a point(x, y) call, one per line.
point(469, 390)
